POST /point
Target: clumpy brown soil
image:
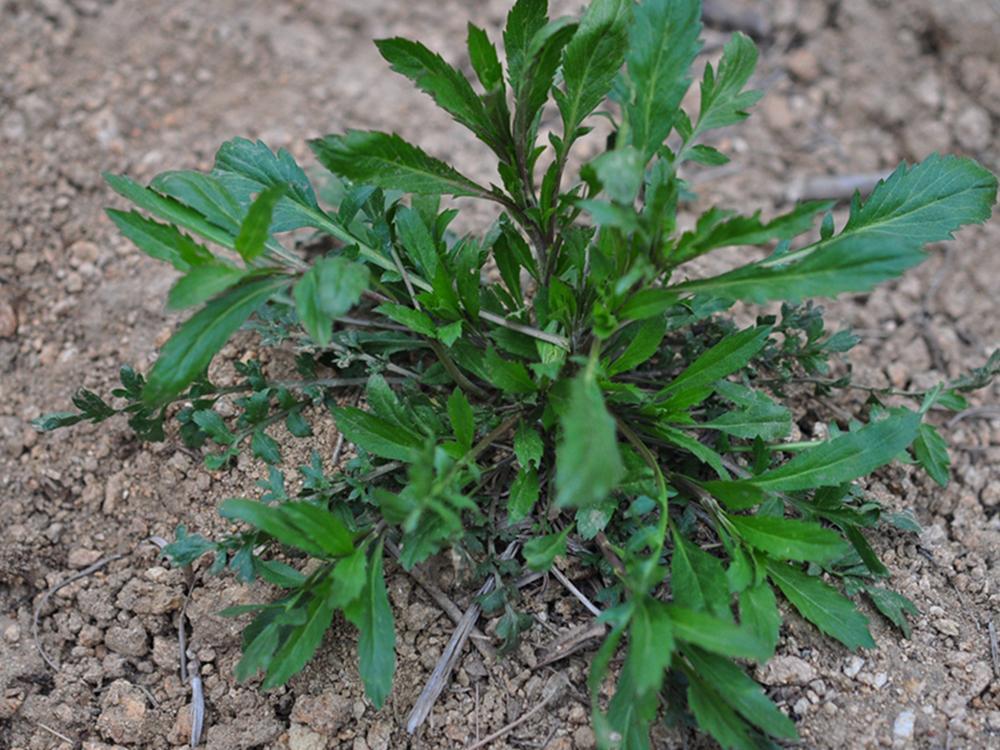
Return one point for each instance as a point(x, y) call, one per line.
point(92, 85)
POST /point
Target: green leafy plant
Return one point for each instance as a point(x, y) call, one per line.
point(561, 385)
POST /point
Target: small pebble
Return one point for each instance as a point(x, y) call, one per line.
point(903, 726)
point(853, 666)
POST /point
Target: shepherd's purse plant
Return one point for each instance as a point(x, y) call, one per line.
point(562, 388)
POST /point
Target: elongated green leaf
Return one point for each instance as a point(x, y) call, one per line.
point(759, 613)
point(417, 241)
point(524, 20)
point(591, 60)
point(387, 161)
point(484, 58)
point(376, 435)
point(249, 167)
point(326, 291)
point(588, 462)
point(883, 237)
point(716, 717)
point(845, 457)
point(893, 606)
point(766, 421)
point(301, 643)
point(322, 526)
point(524, 493)
point(192, 347)
point(171, 210)
point(533, 83)
point(372, 616)
point(718, 228)
point(528, 446)
point(271, 521)
point(715, 635)
point(822, 605)
point(650, 645)
point(692, 445)
point(644, 341)
point(446, 86)
point(509, 375)
point(462, 419)
point(663, 42)
point(349, 577)
point(256, 227)
point(739, 691)
point(203, 193)
point(723, 359)
point(202, 283)
point(931, 450)
point(787, 539)
point(161, 241)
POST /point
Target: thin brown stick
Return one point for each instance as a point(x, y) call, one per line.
point(54, 733)
point(994, 649)
point(449, 658)
point(553, 690)
point(479, 640)
point(36, 617)
point(581, 597)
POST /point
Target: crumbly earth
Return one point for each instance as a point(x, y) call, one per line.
point(93, 85)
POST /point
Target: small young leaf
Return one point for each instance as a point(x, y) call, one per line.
point(161, 241)
point(509, 375)
point(893, 606)
point(528, 446)
point(301, 643)
point(697, 579)
point(931, 450)
point(265, 447)
point(417, 241)
point(326, 291)
point(759, 613)
point(644, 341)
point(542, 550)
point(723, 359)
point(256, 226)
point(651, 645)
point(723, 101)
point(822, 605)
point(484, 59)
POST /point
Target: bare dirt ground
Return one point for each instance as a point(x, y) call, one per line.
point(93, 85)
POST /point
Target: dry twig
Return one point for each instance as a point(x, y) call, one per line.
point(555, 688)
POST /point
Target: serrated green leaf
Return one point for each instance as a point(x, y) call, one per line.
point(620, 172)
point(326, 291)
point(697, 579)
point(883, 237)
point(528, 446)
point(509, 375)
point(203, 193)
point(376, 435)
point(387, 161)
point(161, 241)
point(718, 228)
point(301, 643)
point(449, 89)
point(484, 58)
point(715, 635)
point(644, 341)
point(322, 526)
point(723, 359)
point(523, 494)
point(256, 226)
point(788, 539)
point(651, 645)
point(188, 352)
point(248, 167)
point(271, 521)
point(931, 450)
point(647, 303)
point(743, 694)
point(524, 20)
point(845, 457)
point(463, 421)
point(663, 42)
point(416, 320)
point(591, 60)
point(265, 447)
point(588, 461)
point(759, 613)
point(716, 717)
point(822, 605)
point(372, 616)
point(417, 241)
point(723, 100)
point(893, 606)
point(349, 577)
